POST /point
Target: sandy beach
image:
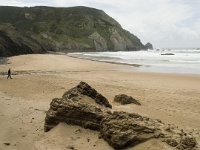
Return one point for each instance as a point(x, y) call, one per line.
point(172, 98)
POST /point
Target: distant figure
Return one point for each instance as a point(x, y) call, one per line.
point(9, 74)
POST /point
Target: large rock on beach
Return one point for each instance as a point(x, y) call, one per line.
point(122, 129)
point(74, 113)
point(84, 106)
point(83, 89)
point(79, 106)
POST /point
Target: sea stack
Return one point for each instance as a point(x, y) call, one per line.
point(148, 46)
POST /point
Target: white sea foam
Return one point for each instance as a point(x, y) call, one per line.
point(183, 60)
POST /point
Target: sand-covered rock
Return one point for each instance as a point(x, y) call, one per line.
point(125, 99)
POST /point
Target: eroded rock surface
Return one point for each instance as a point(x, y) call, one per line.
point(83, 89)
point(121, 129)
point(77, 106)
point(73, 112)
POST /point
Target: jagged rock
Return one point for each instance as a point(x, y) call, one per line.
point(83, 88)
point(73, 112)
point(125, 99)
point(75, 107)
point(121, 129)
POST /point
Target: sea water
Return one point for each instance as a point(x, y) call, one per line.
point(185, 61)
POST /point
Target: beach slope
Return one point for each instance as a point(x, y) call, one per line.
point(172, 98)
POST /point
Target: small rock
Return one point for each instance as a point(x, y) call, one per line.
point(71, 147)
point(78, 130)
point(125, 99)
point(167, 54)
point(6, 143)
point(171, 142)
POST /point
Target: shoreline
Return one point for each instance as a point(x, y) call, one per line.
point(118, 63)
point(158, 65)
point(137, 66)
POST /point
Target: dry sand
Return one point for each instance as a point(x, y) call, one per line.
point(172, 98)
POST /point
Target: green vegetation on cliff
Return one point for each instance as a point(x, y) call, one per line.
point(39, 29)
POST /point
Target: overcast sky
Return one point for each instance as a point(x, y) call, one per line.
point(164, 23)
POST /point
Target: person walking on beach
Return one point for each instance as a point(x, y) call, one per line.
point(9, 74)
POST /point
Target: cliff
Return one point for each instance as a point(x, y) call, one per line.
point(40, 29)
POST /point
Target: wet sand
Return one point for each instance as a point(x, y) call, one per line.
point(172, 98)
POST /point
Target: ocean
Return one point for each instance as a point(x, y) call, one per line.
point(183, 61)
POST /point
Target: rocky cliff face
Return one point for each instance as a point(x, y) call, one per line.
point(62, 29)
point(14, 43)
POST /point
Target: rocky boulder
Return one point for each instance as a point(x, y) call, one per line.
point(83, 89)
point(72, 112)
point(125, 99)
point(79, 106)
point(121, 129)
